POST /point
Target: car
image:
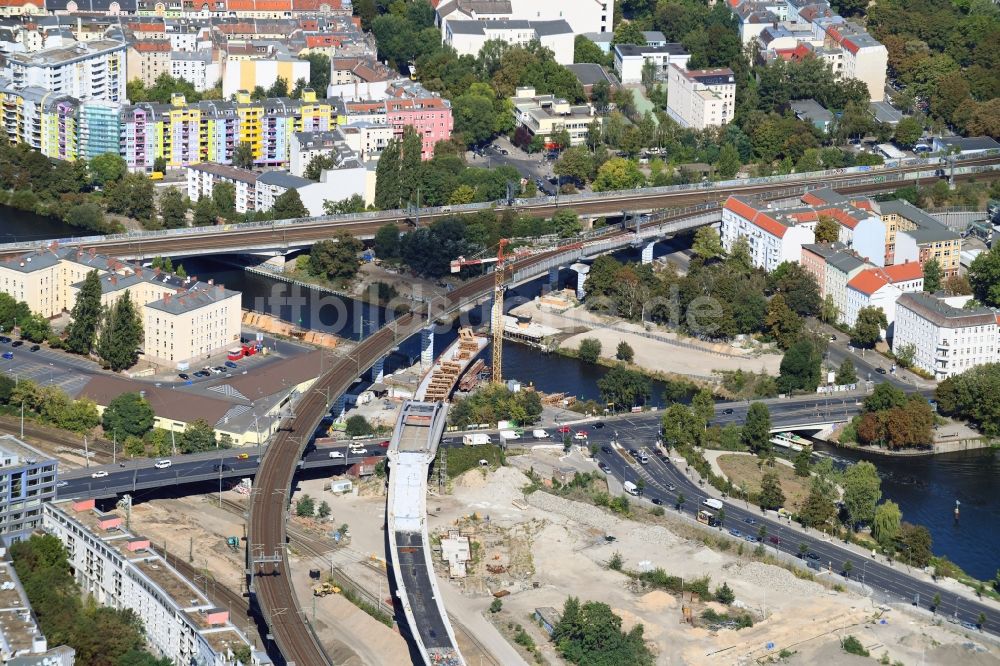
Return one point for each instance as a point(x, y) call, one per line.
point(230, 364)
point(243, 456)
point(749, 521)
point(8, 355)
point(358, 451)
point(968, 625)
point(220, 368)
point(184, 376)
point(35, 348)
point(749, 537)
point(580, 434)
point(17, 343)
point(99, 474)
point(598, 425)
point(221, 467)
point(833, 338)
point(634, 453)
point(671, 487)
point(604, 468)
point(735, 532)
point(384, 443)
point(162, 464)
point(4, 339)
point(775, 540)
point(336, 455)
point(202, 373)
point(504, 151)
point(813, 556)
point(880, 370)
point(564, 429)
point(727, 410)
point(607, 449)
point(213, 371)
point(657, 501)
point(62, 484)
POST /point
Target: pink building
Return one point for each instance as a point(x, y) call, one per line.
point(429, 116)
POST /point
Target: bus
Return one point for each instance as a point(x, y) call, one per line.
point(708, 518)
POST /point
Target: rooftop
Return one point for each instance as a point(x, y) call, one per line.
point(198, 295)
point(633, 50)
point(283, 179)
point(588, 73)
point(935, 309)
point(810, 109)
point(18, 630)
point(541, 28)
point(225, 171)
point(968, 142)
point(62, 55)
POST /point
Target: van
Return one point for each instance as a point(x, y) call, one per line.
point(508, 435)
point(340, 487)
point(631, 488)
point(538, 433)
point(643, 458)
point(476, 439)
point(921, 148)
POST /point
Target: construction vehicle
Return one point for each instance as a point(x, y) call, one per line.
point(233, 543)
point(325, 589)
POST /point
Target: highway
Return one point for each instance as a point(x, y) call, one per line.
point(665, 480)
point(297, 233)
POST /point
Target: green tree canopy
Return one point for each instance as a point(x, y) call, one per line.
point(618, 173)
point(707, 244)
point(127, 414)
point(886, 526)
point(846, 373)
point(121, 335)
point(198, 436)
point(862, 491)
point(85, 316)
point(827, 229)
point(624, 352)
point(771, 495)
point(590, 349)
point(336, 259)
point(932, 276)
point(800, 368)
point(173, 206)
point(757, 430)
point(590, 634)
point(288, 205)
point(623, 387)
point(868, 328)
point(984, 276)
point(107, 168)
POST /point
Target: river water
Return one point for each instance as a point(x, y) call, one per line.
point(925, 487)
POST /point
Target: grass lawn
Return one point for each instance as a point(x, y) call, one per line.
point(743, 469)
point(463, 458)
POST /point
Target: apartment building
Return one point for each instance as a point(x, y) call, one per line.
point(880, 288)
point(631, 59)
point(858, 55)
point(771, 241)
point(190, 325)
point(833, 265)
point(947, 338)
point(245, 74)
point(22, 642)
point(359, 78)
point(582, 15)
point(468, 37)
point(28, 479)
point(85, 70)
point(202, 178)
point(146, 60)
point(121, 570)
point(545, 115)
point(701, 98)
point(199, 69)
point(913, 235)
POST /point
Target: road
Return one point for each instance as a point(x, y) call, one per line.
point(664, 481)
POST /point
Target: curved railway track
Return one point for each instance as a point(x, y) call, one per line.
point(293, 636)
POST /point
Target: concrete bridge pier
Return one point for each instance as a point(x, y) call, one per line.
point(553, 278)
point(378, 370)
point(427, 347)
point(581, 278)
point(339, 409)
point(647, 252)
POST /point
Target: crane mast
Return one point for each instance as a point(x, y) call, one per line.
point(499, 286)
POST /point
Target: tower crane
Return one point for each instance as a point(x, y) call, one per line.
point(503, 262)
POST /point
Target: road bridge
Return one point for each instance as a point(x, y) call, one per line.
point(272, 238)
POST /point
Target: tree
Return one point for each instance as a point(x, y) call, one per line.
point(475, 114)
point(724, 594)
point(305, 507)
point(797, 285)
point(868, 328)
point(973, 395)
point(958, 285)
point(173, 208)
point(85, 316)
point(243, 156)
point(584, 50)
point(197, 436)
point(783, 324)
point(818, 507)
point(802, 461)
point(357, 426)
point(862, 491)
point(132, 196)
point(915, 542)
point(800, 368)
point(288, 205)
point(205, 214)
point(623, 387)
point(35, 328)
point(224, 199)
point(846, 373)
point(829, 310)
point(590, 634)
point(352, 204)
point(121, 335)
point(160, 164)
point(88, 215)
point(757, 430)
point(107, 168)
point(884, 397)
point(984, 276)
point(317, 165)
point(496, 606)
point(319, 72)
point(628, 32)
point(886, 525)
point(575, 164)
point(827, 230)
point(932, 276)
point(324, 510)
point(728, 164)
point(128, 414)
point(566, 223)
point(387, 241)
point(771, 495)
point(680, 426)
point(618, 173)
point(707, 244)
point(703, 407)
point(624, 352)
point(337, 259)
point(908, 131)
point(905, 354)
point(590, 350)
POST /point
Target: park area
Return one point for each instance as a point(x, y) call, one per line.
point(744, 472)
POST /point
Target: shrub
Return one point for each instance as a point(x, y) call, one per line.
point(495, 606)
point(615, 563)
point(853, 646)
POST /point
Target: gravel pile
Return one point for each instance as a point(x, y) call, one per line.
point(772, 578)
point(598, 519)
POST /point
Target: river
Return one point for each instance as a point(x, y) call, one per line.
point(925, 487)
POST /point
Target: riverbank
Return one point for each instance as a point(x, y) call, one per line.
point(952, 437)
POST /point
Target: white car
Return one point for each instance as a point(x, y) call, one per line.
point(62, 484)
point(99, 474)
point(162, 464)
point(358, 451)
point(336, 454)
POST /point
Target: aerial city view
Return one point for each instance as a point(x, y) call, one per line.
point(499, 332)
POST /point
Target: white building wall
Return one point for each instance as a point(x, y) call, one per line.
point(906, 248)
point(868, 240)
point(334, 185)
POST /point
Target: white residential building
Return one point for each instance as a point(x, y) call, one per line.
point(121, 570)
point(582, 15)
point(21, 639)
point(947, 338)
point(630, 60)
point(468, 37)
point(701, 98)
point(771, 241)
point(544, 115)
point(202, 177)
point(200, 69)
point(186, 327)
point(245, 74)
point(92, 70)
point(881, 288)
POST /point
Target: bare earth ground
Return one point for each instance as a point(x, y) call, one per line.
point(742, 469)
